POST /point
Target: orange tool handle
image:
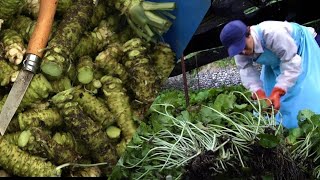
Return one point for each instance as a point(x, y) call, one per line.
point(42, 30)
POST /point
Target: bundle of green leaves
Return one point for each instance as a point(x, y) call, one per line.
point(221, 123)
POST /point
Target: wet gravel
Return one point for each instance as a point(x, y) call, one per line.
point(208, 77)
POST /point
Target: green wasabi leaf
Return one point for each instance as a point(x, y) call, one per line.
point(268, 140)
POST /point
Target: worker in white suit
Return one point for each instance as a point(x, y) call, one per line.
point(290, 57)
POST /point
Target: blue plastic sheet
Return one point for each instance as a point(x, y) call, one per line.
point(305, 94)
point(189, 14)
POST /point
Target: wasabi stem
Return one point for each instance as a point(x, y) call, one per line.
point(20, 163)
point(37, 141)
point(93, 107)
point(48, 118)
point(59, 55)
point(113, 132)
point(84, 128)
point(118, 101)
point(6, 72)
point(85, 70)
point(9, 8)
point(13, 45)
point(146, 18)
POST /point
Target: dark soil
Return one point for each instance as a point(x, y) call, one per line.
point(276, 162)
point(203, 167)
point(262, 163)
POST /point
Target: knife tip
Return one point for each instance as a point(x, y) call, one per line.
point(2, 131)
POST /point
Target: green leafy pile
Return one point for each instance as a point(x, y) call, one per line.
point(304, 142)
point(222, 125)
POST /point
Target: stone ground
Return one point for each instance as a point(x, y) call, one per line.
point(213, 75)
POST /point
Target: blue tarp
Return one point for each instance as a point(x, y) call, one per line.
point(189, 14)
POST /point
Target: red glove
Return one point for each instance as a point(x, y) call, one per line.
point(260, 94)
point(276, 93)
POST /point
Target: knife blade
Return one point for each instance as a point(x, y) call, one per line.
point(14, 98)
point(37, 43)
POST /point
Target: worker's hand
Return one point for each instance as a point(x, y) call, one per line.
point(258, 95)
point(274, 98)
